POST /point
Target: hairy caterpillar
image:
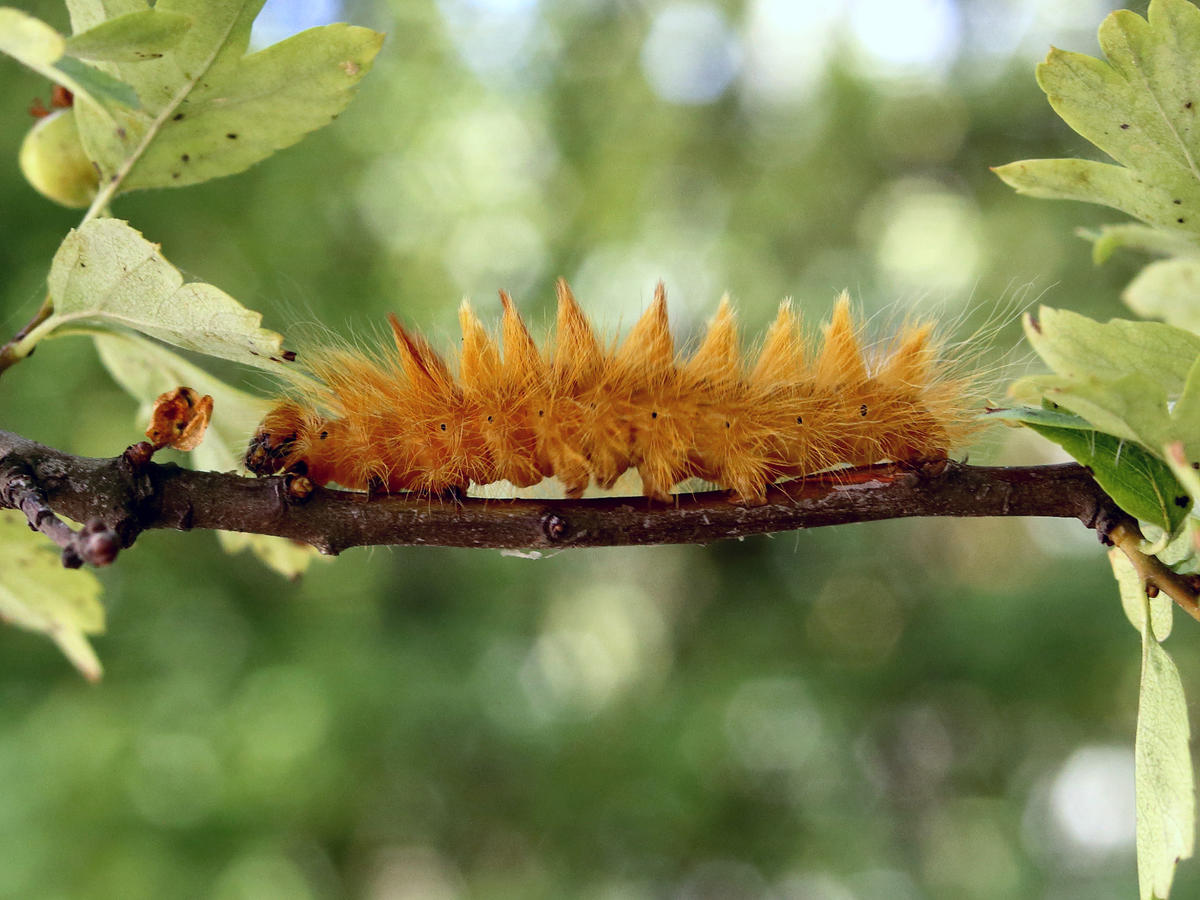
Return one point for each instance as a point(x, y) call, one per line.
point(402, 420)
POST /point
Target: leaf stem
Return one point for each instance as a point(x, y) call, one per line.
point(16, 350)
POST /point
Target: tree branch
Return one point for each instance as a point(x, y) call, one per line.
point(130, 494)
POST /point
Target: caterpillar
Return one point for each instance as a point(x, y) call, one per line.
point(583, 411)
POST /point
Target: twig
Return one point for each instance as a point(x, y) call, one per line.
point(95, 544)
point(132, 495)
point(1155, 576)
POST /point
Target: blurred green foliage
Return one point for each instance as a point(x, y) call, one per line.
point(895, 710)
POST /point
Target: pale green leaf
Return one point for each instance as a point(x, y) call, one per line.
point(37, 593)
point(106, 274)
point(53, 161)
point(1140, 107)
point(1134, 599)
point(133, 37)
point(1168, 289)
point(1109, 238)
point(1166, 800)
point(209, 110)
point(41, 48)
point(1076, 347)
point(1096, 182)
point(145, 370)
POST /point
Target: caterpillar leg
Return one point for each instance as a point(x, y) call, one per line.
point(571, 468)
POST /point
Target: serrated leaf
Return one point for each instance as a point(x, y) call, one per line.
point(53, 161)
point(208, 109)
point(1078, 347)
point(1167, 289)
point(1094, 182)
point(1121, 377)
point(1140, 107)
point(145, 370)
point(37, 593)
point(105, 273)
point(1166, 800)
point(1109, 238)
point(1134, 599)
point(133, 37)
point(35, 44)
point(1138, 482)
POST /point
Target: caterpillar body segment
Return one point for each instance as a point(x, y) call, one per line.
point(402, 419)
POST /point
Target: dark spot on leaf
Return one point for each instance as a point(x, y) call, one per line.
point(1188, 105)
point(176, 117)
point(1196, 465)
point(726, 424)
point(174, 174)
point(232, 136)
point(862, 410)
point(1177, 202)
point(289, 355)
point(1182, 501)
point(654, 414)
point(541, 412)
point(121, 133)
point(324, 434)
point(254, 353)
point(185, 158)
point(1124, 125)
point(489, 418)
point(799, 420)
point(1180, 220)
point(443, 426)
point(1034, 323)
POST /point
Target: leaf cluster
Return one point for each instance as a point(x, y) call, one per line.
point(1123, 397)
point(162, 96)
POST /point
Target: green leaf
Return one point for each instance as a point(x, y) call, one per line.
point(145, 370)
point(1078, 347)
point(1109, 238)
point(1168, 289)
point(106, 274)
point(37, 593)
point(1134, 599)
point(1166, 800)
point(1095, 182)
point(1140, 483)
point(133, 37)
point(41, 48)
point(53, 161)
point(1139, 107)
point(208, 109)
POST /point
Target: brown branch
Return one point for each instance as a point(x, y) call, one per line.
point(131, 494)
point(95, 543)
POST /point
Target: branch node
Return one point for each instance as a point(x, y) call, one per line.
point(555, 528)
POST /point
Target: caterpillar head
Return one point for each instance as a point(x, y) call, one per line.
point(273, 449)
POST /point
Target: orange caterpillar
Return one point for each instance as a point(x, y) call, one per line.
point(403, 421)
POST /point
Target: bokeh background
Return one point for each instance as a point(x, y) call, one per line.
point(900, 710)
